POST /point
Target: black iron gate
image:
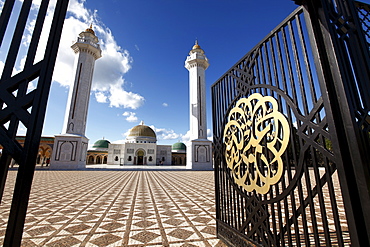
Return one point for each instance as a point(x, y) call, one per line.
point(22, 103)
point(291, 125)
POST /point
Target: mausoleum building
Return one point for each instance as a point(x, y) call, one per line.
point(140, 148)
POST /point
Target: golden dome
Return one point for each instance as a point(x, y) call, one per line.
point(196, 46)
point(142, 130)
point(90, 30)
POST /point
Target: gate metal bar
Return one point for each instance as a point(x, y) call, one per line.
point(19, 104)
point(317, 201)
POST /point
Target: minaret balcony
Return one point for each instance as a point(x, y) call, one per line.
point(192, 63)
point(88, 41)
point(86, 45)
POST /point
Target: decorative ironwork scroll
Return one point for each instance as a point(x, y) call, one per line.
point(256, 136)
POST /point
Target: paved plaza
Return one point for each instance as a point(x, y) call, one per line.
point(117, 208)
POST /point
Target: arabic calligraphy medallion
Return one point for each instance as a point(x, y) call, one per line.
point(256, 136)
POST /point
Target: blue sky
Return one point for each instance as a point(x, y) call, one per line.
point(141, 75)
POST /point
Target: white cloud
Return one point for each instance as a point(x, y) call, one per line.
point(78, 9)
point(165, 104)
point(108, 77)
point(1, 65)
point(22, 130)
point(100, 97)
point(165, 134)
point(119, 97)
point(209, 135)
point(122, 141)
point(63, 72)
point(186, 138)
point(162, 133)
point(126, 133)
point(113, 64)
point(130, 116)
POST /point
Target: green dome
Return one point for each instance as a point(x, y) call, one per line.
point(179, 146)
point(101, 144)
point(142, 131)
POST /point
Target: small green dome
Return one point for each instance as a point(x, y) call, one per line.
point(101, 144)
point(179, 146)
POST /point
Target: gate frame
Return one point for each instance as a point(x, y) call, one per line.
point(334, 70)
point(14, 109)
point(334, 58)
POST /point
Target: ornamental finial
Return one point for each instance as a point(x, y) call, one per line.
point(196, 46)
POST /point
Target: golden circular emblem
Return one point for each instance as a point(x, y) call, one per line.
point(256, 136)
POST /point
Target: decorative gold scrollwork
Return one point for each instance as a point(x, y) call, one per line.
point(256, 136)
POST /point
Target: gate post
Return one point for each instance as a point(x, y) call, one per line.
point(343, 65)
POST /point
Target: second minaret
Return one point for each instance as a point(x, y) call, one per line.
point(199, 149)
point(197, 63)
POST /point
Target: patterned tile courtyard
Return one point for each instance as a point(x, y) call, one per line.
point(117, 208)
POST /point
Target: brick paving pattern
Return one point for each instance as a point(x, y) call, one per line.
point(117, 208)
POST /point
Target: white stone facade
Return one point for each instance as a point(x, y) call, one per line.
point(199, 155)
point(69, 152)
point(139, 154)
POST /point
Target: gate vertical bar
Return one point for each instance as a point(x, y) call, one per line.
point(27, 107)
point(343, 65)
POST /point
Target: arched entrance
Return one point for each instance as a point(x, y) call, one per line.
point(98, 160)
point(44, 153)
point(90, 160)
point(140, 157)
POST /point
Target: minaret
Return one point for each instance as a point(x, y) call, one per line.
point(70, 147)
point(199, 150)
point(87, 50)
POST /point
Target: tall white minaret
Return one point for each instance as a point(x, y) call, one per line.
point(70, 147)
point(87, 50)
point(199, 150)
